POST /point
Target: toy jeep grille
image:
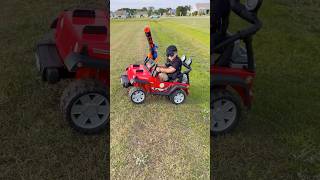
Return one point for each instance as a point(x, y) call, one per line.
point(95, 30)
point(84, 13)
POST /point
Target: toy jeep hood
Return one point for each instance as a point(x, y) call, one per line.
point(83, 31)
point(77, 46)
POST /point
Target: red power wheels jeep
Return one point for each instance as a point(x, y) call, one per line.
point(77, 47)
point(143, 79)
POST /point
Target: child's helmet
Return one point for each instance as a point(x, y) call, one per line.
point(171, 50)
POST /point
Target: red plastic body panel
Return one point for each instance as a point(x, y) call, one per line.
point(241, 73)
point(153, 85)
point(71, 37)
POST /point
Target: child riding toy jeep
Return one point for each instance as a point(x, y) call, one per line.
point(148, 77)
point(233, 72)
point(78, 47)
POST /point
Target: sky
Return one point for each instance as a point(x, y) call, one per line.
point(117, 4)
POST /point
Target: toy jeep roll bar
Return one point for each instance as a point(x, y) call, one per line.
point(231, 84)
point(250, 15)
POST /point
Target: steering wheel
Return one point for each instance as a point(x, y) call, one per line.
point(154, 72)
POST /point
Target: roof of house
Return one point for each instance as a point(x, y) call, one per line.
point(201, 6)
point(121, 13)
point(141, 13)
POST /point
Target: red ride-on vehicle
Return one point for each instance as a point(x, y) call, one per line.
point(142, 79)
point(232, 73)
point(77, 47)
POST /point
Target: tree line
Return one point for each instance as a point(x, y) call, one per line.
point(179, 11)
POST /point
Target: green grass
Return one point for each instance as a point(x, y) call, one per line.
point(159, 140)
point(36, 142)
point(279, 138)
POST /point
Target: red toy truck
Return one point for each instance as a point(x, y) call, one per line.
point(77, 47)
point(143, 78)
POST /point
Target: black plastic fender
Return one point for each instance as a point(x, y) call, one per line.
point(74, 60)
point(225, 80)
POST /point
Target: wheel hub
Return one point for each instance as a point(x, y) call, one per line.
point(224, 113)
point(90, 110)
point(138, 96)
point(178, 98)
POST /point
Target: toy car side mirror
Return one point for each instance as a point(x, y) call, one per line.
point(253, 5)
point(188, 62)
point(183, 58)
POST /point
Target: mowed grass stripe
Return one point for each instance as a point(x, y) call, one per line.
point(123, 48)
point(192, 22)
point(199, 76)
point(198, 35)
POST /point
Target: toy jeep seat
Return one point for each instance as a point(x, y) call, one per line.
point(184, 76)
point(239, 57)
point(78, 41)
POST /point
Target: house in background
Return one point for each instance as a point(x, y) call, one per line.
point(141, 14)
point(202, 8)
point(171, 12)
point(121, 14)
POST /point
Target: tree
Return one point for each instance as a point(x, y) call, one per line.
point(188, 8)
point(128, 10)
point(150, 10)
point(179, 11)
point(169, 10)
point(195, 13)
point(182, 10)
point(162, 11)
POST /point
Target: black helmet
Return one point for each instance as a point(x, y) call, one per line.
point(171, 50)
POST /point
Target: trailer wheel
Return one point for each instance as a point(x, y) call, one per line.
point(225, 112)
point(85, 104)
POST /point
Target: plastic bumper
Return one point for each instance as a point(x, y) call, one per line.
point(47, 55)
point(124, 81)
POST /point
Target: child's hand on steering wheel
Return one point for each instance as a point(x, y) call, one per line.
point(158, 69)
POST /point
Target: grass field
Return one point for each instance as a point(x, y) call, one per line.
point(35, 141)
point(159, 140)
point(280, 137)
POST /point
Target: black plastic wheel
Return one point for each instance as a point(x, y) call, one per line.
point(137, 95)
point(178, 97)
point(225, 112)
point(52, 75)
point(85, 104)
